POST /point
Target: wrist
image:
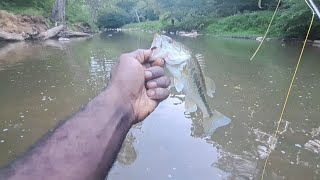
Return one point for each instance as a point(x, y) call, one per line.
point(121, 103)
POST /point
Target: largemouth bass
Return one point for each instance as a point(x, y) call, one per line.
point(188, 78)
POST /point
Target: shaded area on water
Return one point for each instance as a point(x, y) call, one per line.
point(42, 83)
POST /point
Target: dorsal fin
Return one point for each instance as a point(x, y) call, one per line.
point(201, 61)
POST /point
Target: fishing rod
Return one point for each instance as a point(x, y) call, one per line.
point(314, 7)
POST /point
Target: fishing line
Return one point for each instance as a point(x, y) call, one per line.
point(267, 31)
point(289, 90)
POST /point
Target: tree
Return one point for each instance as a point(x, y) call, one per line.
point(94, 7)
point(59, 12)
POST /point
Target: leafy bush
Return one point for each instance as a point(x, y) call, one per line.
point(114, 19)
point(290, 22)
point(250, 23)
point(73, 15)
point(293, 21)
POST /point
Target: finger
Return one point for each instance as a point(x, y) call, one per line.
point(153, 73)
point(158, 62)
point(147, 65)
point(159, 94)
point(161, 82)
point(142, 55)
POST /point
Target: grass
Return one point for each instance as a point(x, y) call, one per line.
point(32, 11)
point(147, 25)
point(249, 24)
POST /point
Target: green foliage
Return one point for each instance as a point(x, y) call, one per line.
point(293, 21)
point(250, 23)
point(147, 25)
point(32, 7)
point(77, 11)
point(113, 19)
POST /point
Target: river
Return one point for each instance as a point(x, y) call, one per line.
point(43, 83)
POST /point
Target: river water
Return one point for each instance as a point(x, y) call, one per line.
point(43, 83)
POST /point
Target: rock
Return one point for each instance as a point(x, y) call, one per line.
point(84, 27)
point(316, 45)
point(63, 39)
point(192, 34)
point(316, 42)
point(259, 39)
point(10, 36)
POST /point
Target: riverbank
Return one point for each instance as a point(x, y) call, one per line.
point(16, 27)
point(247, 25)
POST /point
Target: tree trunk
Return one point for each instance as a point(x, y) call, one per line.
point(68, 34)
point(137, 16)
point(94, 4)
point(51, 32)
point(59, 12)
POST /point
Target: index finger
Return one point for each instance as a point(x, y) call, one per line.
point(142, 55)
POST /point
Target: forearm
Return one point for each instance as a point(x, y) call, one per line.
point(84, 147)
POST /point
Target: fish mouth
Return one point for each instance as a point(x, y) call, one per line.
point(155, 43)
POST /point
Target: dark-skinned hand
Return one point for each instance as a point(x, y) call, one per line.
point(140, 83)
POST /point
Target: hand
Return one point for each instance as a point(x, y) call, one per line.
point(140, 83)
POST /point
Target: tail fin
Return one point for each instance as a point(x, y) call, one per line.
point(212, 123)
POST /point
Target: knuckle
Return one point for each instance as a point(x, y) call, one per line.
point(159, 70)
point(156, 71)
point(123, 57)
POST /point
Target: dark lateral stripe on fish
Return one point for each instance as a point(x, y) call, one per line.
point(200, 88)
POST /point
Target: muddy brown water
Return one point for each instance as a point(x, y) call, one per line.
point(42, 83)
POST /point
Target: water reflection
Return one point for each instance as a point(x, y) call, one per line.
point(128, 154)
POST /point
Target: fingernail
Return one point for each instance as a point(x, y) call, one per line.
point(148, 74)
point(151, 93)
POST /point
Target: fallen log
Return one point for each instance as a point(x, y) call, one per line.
point(51, 32)
point(10, 36)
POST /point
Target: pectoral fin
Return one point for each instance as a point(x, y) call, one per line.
point(172, 83)
point(211, 87)
point(190, 106)
point(178, 84)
